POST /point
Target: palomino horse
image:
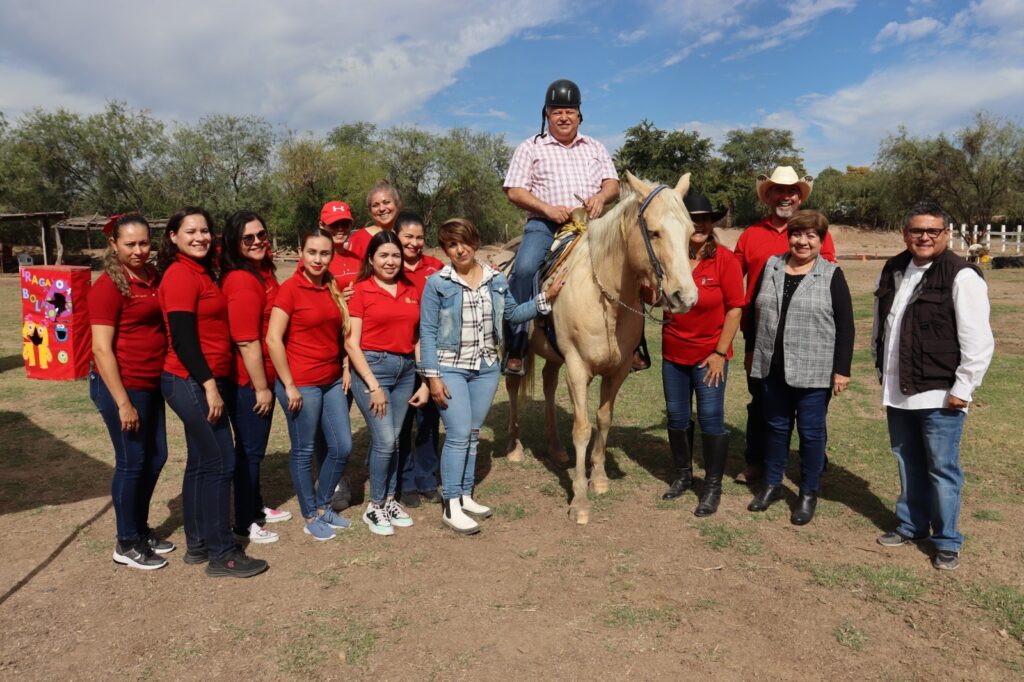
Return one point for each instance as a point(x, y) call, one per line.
point(599, 318)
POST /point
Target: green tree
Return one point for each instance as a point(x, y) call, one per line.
point(662, 156)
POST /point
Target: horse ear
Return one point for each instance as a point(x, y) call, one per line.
point(638, 185)
point(683, 186)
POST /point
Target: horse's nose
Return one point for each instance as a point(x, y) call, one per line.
point(680, 301)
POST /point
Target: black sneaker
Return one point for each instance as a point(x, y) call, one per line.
point(894, 539)
point(196, 555)
point(236, 565)
point(157, 543)
point(946, 560)
point(137, 555)
point(411, 500)
point(430, 496)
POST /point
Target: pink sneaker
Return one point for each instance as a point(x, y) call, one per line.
point(276, 515)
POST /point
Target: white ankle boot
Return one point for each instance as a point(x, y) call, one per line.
point(475, 508)
point(456, 519)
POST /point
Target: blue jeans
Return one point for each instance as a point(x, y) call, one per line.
point(781, 403)
point(396, 376)
point(927, 448)
point(680, 382)
point(139, 456)
point(472, 392)
point(325, 411)
point(538, 235)
point(417, 459)
point(209, 467)
point(252, 432)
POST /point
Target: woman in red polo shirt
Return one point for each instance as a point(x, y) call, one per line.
point(128, 347)
point(696, 348)
point(384, 204)
point(195, 376)
point(417, 459)
point(304, 339)
point(381, 346)
point(250, 287)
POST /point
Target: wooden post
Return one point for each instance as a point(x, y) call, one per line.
point(59, 244)
point(42, 237)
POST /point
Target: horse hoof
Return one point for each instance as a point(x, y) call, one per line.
point(515, 452)
point(580, 516)
point(599, 487)
point(560, 458)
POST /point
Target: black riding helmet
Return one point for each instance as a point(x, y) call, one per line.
point(561, 93)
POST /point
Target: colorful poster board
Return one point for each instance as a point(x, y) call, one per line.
point(55, 333)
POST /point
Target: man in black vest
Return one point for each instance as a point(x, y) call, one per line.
point(932, 344)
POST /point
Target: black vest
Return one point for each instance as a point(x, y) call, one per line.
point(929, 351)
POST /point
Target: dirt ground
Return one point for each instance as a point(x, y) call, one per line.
point(645, 591)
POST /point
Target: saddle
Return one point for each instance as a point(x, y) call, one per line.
point(565, 241)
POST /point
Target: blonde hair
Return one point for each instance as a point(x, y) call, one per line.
point(383, 185)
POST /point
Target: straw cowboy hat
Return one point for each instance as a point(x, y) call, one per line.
point(784, 175)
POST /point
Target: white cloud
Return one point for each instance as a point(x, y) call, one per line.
point(895, 33)
point(802, 14)
point(706, 39)
point(628, 38)
point(313, 64)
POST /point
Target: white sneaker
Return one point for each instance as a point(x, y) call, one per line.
point(398, 516)
point(456, 519)
point(258, 536)
point(377, 519)
point(276, 515)
point(475, 508)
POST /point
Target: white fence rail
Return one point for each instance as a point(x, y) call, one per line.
point(976, 234)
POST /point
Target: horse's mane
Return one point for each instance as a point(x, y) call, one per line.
point(603, 233)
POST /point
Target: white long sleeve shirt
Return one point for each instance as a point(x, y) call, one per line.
point(974, 334)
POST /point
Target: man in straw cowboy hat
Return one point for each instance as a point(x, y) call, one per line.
point(782, 193)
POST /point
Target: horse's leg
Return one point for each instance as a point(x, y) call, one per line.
point(579, 380)
point(556, 452)
point(514, 449)
point(610, 386)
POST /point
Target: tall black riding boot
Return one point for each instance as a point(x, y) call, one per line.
point(716, 448)
point(679, 442)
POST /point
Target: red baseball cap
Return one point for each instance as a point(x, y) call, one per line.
point(333, 211)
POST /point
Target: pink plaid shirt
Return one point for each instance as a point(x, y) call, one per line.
point(554, 172)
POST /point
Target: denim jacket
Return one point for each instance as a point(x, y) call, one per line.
point(441, 314)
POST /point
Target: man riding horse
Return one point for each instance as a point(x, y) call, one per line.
point(547, 173)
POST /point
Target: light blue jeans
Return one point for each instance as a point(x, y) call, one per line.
point(927, 448)
point(396, 375)
point(472, 392)
point(538, 235)
point(324, 410)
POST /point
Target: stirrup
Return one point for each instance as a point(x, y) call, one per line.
point(521, 372)
point(644, 356)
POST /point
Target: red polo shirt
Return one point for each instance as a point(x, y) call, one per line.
point(390, 323)
point(140, 342)
point(426, 267)
point(344, 266)
point(312, 341)
point(761, 241)
point(187, 288)
point(359, 241)
point(249, 303)
point(688, 339)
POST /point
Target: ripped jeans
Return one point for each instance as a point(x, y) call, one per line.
point(471, 391)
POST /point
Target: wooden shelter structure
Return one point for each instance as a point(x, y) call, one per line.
point(59, 220)
point(43, 219)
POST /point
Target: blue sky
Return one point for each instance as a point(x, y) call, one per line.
point(841, 74)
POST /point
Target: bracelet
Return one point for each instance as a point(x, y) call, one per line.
point(373, 390)
point(720, 353)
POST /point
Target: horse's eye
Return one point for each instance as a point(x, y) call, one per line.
point(654, 234)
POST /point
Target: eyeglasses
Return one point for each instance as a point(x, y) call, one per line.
point(250, 239)
point(932, 232)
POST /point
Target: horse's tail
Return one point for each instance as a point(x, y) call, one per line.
point(526, 382)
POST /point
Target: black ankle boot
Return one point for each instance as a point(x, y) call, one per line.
point(804, 511)
point(715, 450)
point(682, 459)
point(765, 497)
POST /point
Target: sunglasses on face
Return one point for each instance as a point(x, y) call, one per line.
point(931, 232)
point(250, 239)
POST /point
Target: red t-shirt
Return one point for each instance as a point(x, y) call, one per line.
point(427, 266)
point(359, 240)
point(187, 288)
point(390, 323)
point(344, 266)
point(761, 241)
point(249, 303)
point(140, 342)
point(688, 339)
point(313, 340)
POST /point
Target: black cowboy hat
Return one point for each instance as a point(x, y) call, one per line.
point(698, 205)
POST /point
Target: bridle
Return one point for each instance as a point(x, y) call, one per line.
point(659, 271)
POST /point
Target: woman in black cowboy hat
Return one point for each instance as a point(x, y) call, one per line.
point(696, 349)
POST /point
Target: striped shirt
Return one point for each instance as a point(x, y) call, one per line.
point(554, 172)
